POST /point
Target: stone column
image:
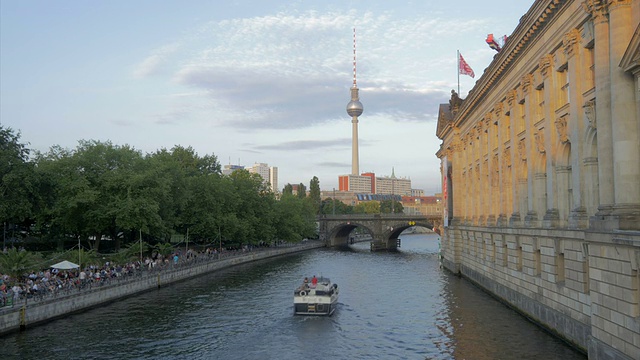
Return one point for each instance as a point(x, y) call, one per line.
point(514, 195)
point(527, 88)
point(473, 188)
point(520, 164)
point(456, 190)
point(600, 20)
point(491, 172)
point(575, 67)
point(477, 148)
point(625, 137)
point(551, 216)
point(501, 205)
point(464, 184)
point(484, 171)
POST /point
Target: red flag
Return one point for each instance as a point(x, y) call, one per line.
point(465, 69)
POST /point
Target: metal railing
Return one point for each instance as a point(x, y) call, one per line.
point(56, 289)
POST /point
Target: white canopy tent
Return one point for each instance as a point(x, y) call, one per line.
point(65, 265)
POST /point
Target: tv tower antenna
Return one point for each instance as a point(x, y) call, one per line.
point(354, 57)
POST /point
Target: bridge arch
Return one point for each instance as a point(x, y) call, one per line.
point(395, 230)
point(383, 228)
point(339, 235)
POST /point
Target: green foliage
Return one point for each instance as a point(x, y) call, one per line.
point(314, 194)
point(18, 263)
point(302, 191)
point(164, 249)
point(294, 219)
point(18, 183)
point(100, 190)
point(367, 207)
point(133, 251)
point(337, 207)
point(387, 208)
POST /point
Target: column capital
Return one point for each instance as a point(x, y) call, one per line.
point(506, 158)
point(497, 109)
point(589, 108)
point(511, 97)
point(525, 82)
point(545, 65)
point(570, 42)
point(561, 127)
point(598, 10)
point(538, 136)
point(488, 117)
point(522, 150)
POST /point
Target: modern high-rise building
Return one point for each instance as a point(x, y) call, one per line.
point(273, 179)
point(228, 169)
point(268, 174)
point(393, 186)
point(355, 183)
point(369, 183)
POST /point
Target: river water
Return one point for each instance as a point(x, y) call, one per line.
point(392, 306)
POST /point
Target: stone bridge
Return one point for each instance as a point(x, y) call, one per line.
point(383, 228)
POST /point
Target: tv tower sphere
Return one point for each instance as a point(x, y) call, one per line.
point(354, 108)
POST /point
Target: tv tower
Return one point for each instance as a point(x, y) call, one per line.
point(354, 109)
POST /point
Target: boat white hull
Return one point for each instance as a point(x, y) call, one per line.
point(315, 305)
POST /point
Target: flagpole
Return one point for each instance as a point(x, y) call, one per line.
point(458, 62)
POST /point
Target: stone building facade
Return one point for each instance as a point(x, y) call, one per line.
point(541, 174)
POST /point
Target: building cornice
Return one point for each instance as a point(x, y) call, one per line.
point(531, 25)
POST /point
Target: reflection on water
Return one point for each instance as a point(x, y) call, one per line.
point(392, 306)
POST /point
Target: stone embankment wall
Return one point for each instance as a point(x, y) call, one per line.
point(30, 313)
point(583, 286)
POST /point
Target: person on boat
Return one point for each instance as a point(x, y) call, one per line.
point(305, 284)
point(314, 281)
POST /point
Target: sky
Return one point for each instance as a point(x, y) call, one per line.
point(247, 81)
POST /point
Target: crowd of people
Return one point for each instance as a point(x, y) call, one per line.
point(51, 282)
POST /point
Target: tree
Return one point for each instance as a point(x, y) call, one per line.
point(17, 263)
point(18, 184)
point(294, 219)
point(314, 194)
point(102, 190)
point(253, 208)
point(302, 191)
point(367, 207)
point(331, 206)
point(386, 207)
point(288, 189)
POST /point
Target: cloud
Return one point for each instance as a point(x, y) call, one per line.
point(308, 145)
point(294, 70)
point(153, 64)
point(121, 122)
point(330, 164)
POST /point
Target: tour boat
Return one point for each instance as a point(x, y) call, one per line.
point(319, 296)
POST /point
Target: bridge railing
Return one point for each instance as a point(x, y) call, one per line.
point(375, 216)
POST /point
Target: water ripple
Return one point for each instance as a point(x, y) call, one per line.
point(392, 306)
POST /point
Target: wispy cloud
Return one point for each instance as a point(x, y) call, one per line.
point(293, 70)
point(329, 164)
point(308, 145)
point(154, 63)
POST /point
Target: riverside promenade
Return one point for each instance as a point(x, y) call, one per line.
point(31, 312)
